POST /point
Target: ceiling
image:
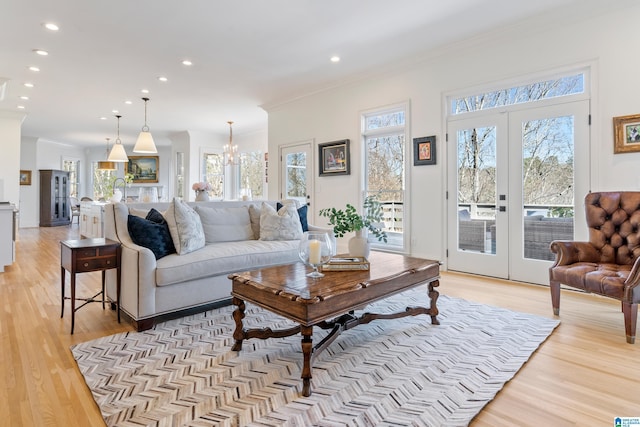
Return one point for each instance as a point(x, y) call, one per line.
point(245, 54)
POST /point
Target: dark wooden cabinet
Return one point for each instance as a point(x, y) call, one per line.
point(54, 198)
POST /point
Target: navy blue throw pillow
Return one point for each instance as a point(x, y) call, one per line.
point(302, 213)
point(151, 235)
point(155, 216)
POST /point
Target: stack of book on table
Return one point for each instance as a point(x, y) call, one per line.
point(346, 263)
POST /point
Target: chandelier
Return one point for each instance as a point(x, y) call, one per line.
point(231, 149)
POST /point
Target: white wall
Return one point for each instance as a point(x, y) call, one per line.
point(10, 123)
point(605, 40)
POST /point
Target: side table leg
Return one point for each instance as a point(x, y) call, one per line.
point(307, 349)
point(62, 273)
point(103, 281)
point(433, 295)
point(238, 315)
point(73, 301)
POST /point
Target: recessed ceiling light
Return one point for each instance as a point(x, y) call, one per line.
point(29, 84)
point(163, 79)
point(103, 118)
point(115, 111)
point(51, 26)
point(24, 98)
point(21, 107)
point(335, 59)
point(41, 52)
point(35, 69)
point(128, 102)
point(187, 62)
point(145, 91)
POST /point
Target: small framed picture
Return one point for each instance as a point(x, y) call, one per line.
point(626, 134)
point(334, 158)
point(25, 177)
point(424, 151)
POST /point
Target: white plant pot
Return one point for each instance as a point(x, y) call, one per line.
point(359, 244)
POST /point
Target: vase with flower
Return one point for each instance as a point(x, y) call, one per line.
point(202, 191)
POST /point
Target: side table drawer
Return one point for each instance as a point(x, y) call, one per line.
point(91, 264)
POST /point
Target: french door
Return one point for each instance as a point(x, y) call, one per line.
point(296, 173)
point(516, 182)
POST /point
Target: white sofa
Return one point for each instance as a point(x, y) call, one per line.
point(177, 285)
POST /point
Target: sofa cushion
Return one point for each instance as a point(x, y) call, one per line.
point(185, 227)
point(224, 258)
point(151, 234)
point(302, 213)
point(225, 224)
point(283, 224)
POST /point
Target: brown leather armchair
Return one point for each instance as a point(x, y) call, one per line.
point(608, 264)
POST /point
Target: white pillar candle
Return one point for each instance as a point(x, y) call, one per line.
point(314, 252)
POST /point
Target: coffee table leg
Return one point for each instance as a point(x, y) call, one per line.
point(238, 315)
point(433, 295)
point(307, 348)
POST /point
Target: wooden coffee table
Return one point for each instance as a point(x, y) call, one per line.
point(329, 302)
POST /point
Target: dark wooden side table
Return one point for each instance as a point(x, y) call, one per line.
point(85, 255)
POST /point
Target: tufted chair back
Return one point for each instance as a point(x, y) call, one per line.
point(613, 219)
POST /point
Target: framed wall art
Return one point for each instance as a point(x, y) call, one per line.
point(626, 134)
point(145, 169)
point(335, 158)
point(424, 151)
point(25, 177)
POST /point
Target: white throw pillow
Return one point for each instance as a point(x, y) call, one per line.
point(185, 227)
point(225, 224)
point(279, 225)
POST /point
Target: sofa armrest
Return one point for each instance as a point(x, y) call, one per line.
point(569, 252)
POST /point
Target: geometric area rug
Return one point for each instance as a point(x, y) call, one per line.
point(400, 372)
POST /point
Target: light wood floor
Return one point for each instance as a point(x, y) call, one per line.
point(584, 374)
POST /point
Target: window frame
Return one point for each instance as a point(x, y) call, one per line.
point(365, 134)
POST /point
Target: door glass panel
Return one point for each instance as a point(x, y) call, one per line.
point(296, 177)
point(547, 184)
point(477, 189)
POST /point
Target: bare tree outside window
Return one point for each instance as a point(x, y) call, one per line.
point(384, 139)
point(214, 174)
point(296, 175)
point(252, 173)
point(547, 147)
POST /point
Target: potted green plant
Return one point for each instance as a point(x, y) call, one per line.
point(348, 220)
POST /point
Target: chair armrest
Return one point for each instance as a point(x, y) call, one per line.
point(569, 252)
point(634, 275)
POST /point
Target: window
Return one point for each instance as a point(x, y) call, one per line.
point(72, 166)
point(102, 182)
point(384, 138)
point(552, 88)
point(214, 173)
point(252, 174)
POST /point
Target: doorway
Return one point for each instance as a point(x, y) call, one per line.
point(296, 173)
point(516, 182)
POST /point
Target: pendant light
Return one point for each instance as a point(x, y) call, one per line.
point(106, 165)
point(117, 152)
point(145, 143)
point(231, 150)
